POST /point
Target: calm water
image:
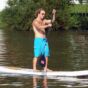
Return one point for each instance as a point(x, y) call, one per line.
point(69, 52)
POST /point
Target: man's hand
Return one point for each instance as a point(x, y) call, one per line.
point(49, 25)
point(54, 12)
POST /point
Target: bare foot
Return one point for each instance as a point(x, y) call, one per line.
point(49, 70)
point(36, 70)
point(45, 70)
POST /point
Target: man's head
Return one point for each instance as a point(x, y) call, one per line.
point(40, 13)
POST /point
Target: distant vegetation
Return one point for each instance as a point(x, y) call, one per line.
point(80, 13)
point(20, 13)
point(80, 8)
point(1, 23)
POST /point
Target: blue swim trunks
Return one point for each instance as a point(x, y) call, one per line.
point(41, 47)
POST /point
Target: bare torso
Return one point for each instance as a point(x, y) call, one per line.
point(38, 31)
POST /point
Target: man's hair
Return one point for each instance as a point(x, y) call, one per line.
point(38, 11)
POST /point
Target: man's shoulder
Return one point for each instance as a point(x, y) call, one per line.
point(34, 21)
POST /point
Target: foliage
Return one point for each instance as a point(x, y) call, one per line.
point(80, 14)
point(2, 25)
point(79, 8)
point(74, 22)
point(0, 19)
point(19, 14)
point(84, 22)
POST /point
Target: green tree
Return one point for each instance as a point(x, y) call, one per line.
point(17, 14)
point(20, 13)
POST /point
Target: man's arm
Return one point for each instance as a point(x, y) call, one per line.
point(53, 18)
point(38, 26)
point(54, 13)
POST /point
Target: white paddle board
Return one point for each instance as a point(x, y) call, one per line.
point(24, 71)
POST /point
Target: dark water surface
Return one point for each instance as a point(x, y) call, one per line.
point(69, 52)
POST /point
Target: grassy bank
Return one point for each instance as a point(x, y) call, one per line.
point(79, 8)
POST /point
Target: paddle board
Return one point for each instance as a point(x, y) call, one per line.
point(24, 71)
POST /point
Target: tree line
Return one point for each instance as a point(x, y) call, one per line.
point(19, 14)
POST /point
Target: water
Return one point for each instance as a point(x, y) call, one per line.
point(69, 52)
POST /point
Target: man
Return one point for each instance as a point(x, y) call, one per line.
point(40, 42)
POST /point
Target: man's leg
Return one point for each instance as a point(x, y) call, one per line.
point(46, 66)
point(35, 59)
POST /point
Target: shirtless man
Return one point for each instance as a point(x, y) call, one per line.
point(40, 42)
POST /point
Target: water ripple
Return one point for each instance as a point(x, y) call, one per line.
point(2, 49)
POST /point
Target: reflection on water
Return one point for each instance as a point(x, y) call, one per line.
point(62, 81)
point(43, 82)
point(36, 80)
point(69, 51)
